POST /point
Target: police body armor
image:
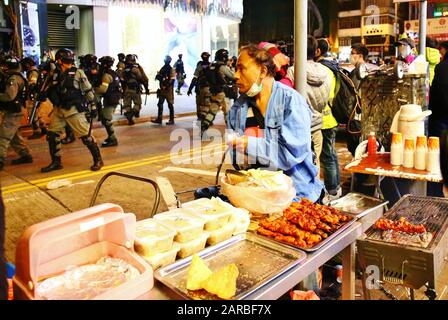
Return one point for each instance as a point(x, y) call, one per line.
point(130, 79)
point(69, 95)
point(215, 79)
point(164, 76)
point(16, 105)
point(202, 78)
point(114, 92)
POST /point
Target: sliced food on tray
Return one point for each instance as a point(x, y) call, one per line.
point(221, 283)
point(304, 224)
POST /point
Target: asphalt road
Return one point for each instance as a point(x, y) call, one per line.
point(145, 150)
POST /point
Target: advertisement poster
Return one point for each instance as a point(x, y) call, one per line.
point(30, 30)
point(183, 36)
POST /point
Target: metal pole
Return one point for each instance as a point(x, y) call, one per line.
point(423, 24)
point(300, 44)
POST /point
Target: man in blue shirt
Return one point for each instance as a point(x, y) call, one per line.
point(273, 124)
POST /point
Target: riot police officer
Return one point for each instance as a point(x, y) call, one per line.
point(72, 95)
point(12, 102)
point(166, 77)
point(219, 75)
point(111, 92)
point(134, 78)
point(121, 65)
point(180, 73)
point(32, 76)
point(201, 85)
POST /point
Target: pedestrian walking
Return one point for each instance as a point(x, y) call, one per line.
point(180, 74)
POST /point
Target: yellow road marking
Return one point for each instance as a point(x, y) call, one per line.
point(85, 174)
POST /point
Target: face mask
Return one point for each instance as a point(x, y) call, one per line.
point(255, 89)
point(404, 51)
point(353, 59)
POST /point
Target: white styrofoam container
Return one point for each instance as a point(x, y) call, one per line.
point(214, 211)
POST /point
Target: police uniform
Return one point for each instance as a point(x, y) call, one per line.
point(70, 93)
point(217, 99)
point(180, 74)
point(166, 77)
point(110, 91)
point(32, 76)
point(11, 105)
point(134, 77)
point(202, 88)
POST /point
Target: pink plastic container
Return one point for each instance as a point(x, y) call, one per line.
point(48, 248)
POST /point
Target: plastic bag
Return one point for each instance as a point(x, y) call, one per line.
point(259, 199)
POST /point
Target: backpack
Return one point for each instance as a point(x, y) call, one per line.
point(214, 78)
point(346, 100)
point(23, 95)
point(115, 91)
point(202, 77)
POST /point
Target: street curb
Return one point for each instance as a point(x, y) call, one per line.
point(144, 119)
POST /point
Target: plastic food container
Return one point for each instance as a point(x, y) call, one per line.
point(189, 248)
point(220, 235)
point(163, 259)
point(47, 249)
point(153, 237)
point(185, 226)
point(214, 211)
point(241, 220)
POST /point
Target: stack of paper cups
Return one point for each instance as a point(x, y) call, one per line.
point(408, 154)
point(396, 149)
point(420, 154)
point(433, 157)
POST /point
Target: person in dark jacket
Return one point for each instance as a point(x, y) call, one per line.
point(438, 99)
point(3, 282)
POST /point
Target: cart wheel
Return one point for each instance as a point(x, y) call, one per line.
point(131, 177)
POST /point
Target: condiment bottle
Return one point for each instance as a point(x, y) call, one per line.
point(396, 149)
point(420, 154)
point(371, 144)
point(408, 154)
point(433, 155)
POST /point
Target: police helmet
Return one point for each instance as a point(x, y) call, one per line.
point(107, 61)
point(222, 55)
point(11, 62)
point(27, 62)
point(65, 55)
point(90, 59)
point(121, 56)
point(130, 58)
point(205, 55)
point(168, 59)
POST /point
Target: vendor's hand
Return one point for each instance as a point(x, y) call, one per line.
point(239, 143)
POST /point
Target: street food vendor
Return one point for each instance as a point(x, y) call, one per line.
point(272, 124)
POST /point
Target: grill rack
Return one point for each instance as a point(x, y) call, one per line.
point(428, 211)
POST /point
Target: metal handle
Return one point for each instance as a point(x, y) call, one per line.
point(127, 176)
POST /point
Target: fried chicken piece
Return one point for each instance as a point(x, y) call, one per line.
point(322, 234)
point(313, 239)
point(282, 238)
point(284, 227)
point(304, 221)
point(402, 225)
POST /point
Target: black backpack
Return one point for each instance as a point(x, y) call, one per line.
point(214, 78)
point(346, 99)
point(115, 91)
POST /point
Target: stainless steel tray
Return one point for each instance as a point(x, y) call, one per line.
point(259, 262)
point(358, 204)
point(320, 244)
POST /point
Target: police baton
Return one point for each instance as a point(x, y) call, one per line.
point(92, 108)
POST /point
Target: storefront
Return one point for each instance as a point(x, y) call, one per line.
point(145, 28)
